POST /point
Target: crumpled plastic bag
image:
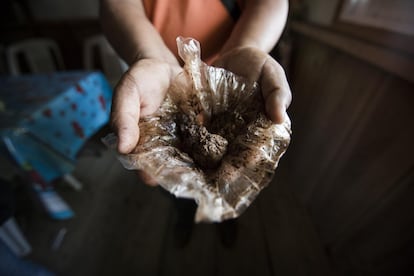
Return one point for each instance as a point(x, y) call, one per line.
point(210, 140)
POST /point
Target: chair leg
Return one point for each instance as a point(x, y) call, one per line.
point(12, 236)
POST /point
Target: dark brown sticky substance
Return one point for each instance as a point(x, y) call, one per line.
point(207, 149)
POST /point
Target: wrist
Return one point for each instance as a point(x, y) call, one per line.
point(161, 56)
point(170, 69)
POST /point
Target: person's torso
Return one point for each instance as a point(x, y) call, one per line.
point(208, 21)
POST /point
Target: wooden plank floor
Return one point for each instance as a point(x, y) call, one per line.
point(123, 227)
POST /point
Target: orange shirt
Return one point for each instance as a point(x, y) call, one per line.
point(208, 21)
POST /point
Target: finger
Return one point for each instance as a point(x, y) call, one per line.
point(147, 179)
point(125, 114)
point(275, 108)
point(276, 91)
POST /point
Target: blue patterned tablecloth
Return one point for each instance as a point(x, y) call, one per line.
point(46, 118)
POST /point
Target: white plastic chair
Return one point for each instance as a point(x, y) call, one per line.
point(108, 60)
point(41, 55)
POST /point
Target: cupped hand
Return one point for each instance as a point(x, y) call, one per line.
point(256, 65)
point(140, 92)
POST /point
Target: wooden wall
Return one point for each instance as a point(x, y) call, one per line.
point(351, 160)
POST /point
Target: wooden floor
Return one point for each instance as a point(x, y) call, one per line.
point(123, 227)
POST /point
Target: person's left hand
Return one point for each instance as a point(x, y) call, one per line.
point(256, 65)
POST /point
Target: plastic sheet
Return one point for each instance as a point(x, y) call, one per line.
point(210, 139)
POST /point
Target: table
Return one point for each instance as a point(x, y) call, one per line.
point(46, 118)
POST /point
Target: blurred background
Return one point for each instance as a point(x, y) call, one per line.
point(341, 202)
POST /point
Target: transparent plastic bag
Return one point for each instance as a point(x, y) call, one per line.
point(210, 139)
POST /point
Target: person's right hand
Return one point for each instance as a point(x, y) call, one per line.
point(140, 92)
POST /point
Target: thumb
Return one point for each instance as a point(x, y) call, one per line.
point(125, 113)
point(276, 91)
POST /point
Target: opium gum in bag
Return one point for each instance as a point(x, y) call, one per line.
point(210, 140)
